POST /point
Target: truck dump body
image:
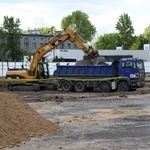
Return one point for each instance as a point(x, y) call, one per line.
point(123, 75)
point(89, 71)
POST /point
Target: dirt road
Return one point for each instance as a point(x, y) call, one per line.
point(97, 121)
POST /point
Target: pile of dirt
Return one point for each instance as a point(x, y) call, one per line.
point(19, 122)
point(91, 61)
point(84, 62)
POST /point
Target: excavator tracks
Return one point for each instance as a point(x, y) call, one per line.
point(23, 87)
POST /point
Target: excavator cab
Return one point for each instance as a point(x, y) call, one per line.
point(43, 70)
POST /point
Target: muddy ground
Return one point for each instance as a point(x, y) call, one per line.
point(91, 120)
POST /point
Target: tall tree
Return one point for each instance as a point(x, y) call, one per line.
point(126, 30)
point(146, 34)
point(12, 39)
point(79, 22)
point(2, 44)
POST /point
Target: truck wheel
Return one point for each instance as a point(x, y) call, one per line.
point(123, 87)
point(66, 86)
point(79, 87)
point(105, 87)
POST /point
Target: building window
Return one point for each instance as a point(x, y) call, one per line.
point(41, 44)
point(33, 45)
point(41, 39)
point(69, 45)
point(75, 46)
point(26, 45)
point(33, 38)
point(62, 46)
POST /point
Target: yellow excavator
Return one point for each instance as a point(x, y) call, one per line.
point(37, 76)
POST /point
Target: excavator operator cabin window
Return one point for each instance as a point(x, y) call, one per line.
point(44, 71)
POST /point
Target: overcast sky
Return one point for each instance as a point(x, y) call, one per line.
point(103, 14)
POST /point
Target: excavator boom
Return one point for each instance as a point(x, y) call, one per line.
point(58, 39)
point(36, 67)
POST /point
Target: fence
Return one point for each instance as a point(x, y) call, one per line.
point(52, 67)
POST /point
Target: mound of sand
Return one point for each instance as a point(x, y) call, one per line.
point(84, 62)
point(19, 122)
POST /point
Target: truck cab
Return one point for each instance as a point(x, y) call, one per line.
point(132, 68)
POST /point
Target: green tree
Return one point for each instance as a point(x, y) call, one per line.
point(79, 22)
point(12, 38)
point(126, 30)
point(2, 44)
point(107, 41)
point(139, 42)
point(146, 33)
point(45, 30)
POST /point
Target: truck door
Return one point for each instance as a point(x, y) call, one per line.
point(115, 70)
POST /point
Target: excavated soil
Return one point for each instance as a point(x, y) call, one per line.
point(19, 122)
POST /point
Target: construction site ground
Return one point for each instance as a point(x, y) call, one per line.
point(90, 120)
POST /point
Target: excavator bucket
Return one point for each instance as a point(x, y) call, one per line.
point(98, 60)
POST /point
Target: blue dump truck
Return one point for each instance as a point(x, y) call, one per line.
point(127, 74)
